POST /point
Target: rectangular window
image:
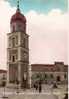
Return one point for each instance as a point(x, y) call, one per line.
point(13, 42)
point(13, 58)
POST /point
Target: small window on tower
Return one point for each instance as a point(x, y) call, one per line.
point(13, 58)
point(13, 42)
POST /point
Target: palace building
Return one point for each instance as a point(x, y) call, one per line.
point(50, 73)
point(18, 50)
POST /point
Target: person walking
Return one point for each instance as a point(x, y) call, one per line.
point(40, 86)
point(36, 85)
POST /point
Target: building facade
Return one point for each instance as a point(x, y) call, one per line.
point(18, 50)
point(50, 73)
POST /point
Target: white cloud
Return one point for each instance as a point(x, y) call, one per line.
point(48, 35)
point(55, 12)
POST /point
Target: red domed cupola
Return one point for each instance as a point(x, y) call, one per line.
point(18, 21)
point(18, 17)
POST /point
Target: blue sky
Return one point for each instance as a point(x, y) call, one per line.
point(43, 6)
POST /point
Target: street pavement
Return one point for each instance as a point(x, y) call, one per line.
point(47, 93)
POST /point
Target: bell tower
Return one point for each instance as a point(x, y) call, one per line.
point(18, 50)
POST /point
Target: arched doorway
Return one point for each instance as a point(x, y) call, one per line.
point(58, 78)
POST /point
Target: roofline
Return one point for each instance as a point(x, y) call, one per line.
point(42, 64)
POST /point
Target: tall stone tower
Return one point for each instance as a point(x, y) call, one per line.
point(18, 50)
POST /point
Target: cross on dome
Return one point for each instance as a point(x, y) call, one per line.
point(18, 4)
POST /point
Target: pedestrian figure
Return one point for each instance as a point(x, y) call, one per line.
point(36, 86)
point(55, 85)
point(40, 86)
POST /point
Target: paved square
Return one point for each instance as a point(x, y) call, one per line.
point(47, 93)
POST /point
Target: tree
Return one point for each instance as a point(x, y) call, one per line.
point(51, 76)
point(45, 78)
